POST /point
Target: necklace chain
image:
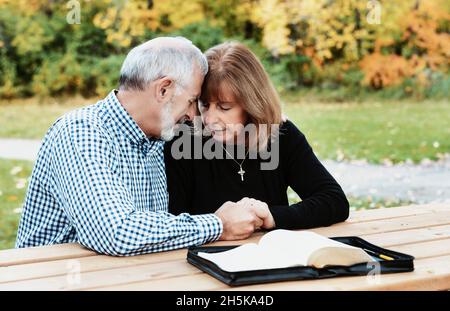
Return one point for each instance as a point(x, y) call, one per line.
point(241, 171)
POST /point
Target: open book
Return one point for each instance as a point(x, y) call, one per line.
point(283, 248)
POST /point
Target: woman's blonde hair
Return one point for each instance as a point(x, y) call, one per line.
point(236, 67)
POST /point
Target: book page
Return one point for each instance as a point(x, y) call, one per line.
point(284, 248)
point(311, 249)
point(338, 256)
point(246, 257)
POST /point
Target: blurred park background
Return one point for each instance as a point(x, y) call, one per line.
point(366, 81)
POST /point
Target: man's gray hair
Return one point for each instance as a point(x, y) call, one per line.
point(173, 57)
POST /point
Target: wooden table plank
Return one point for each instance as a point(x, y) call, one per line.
point(387, 225)
point(73, 250)
point(170, 269)
point(100, 262)
point(425, 249)
point(423, 231)
point(60, 267)
point(195, 282)
point(85, 264)
point(395, 212)
point(437, 264)
point(434, 271)
point(153, 271)
point(434, 233)
point(42, 253)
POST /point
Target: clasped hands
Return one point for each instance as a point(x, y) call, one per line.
point(240, 219)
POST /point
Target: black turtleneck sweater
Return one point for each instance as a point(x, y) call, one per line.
point(199, 186)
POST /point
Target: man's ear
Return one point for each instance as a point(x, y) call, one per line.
point(164, 89)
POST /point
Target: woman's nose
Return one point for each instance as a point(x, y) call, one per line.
point(210, 115)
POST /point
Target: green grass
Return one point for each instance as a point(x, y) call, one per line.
point(370, 202)
point(376, 131)
point(13, 183)
point(360, 203)
point(30, 118)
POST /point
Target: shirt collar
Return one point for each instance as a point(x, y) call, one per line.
point(128, 127)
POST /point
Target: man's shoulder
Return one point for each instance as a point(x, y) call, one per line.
point(89, 117)
point(92, 115)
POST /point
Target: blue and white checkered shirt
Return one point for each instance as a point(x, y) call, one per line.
point(101, 182)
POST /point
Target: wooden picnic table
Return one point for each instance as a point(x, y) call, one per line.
point(419, 230)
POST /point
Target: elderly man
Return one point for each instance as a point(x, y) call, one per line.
point(100, 178)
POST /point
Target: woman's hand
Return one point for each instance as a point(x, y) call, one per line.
point(238, 222)
point(261, 210)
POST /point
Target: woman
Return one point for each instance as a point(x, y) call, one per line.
point(237, 92)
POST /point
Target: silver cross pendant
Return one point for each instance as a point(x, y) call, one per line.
point(241, 172)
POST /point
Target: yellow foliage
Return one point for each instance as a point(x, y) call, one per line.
point(26, 7)
point(180, 12)
point(333, 26)
point(272, 16)
point(130, 19)
point(420, 34)
point(126, 21)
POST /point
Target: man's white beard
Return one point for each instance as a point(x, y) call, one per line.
point(167, 122)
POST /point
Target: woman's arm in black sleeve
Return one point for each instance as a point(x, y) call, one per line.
point(323, 200)
point(179, 183)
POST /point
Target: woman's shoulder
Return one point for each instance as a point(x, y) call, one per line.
point(293, 145)
point(289, 133)
point(286, 137)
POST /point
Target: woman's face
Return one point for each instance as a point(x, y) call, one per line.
point(224, 118)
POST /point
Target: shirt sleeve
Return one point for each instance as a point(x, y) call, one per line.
point(101, 208)
point(323, 200)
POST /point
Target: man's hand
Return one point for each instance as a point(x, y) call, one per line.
point(238, 222)
point(261, 210)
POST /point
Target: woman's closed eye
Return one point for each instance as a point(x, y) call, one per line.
point(220, 105)
point(224, 107)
